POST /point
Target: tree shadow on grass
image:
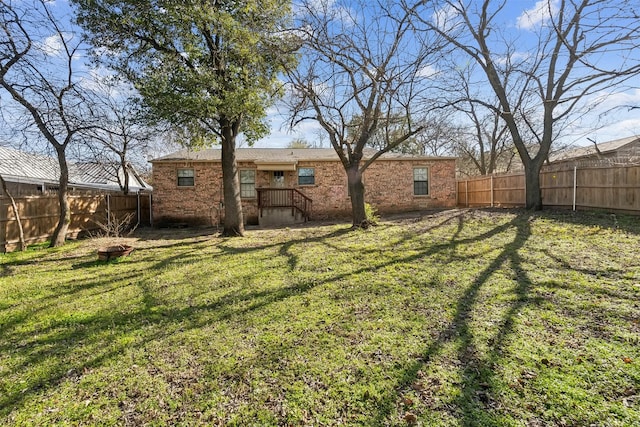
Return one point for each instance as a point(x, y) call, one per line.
point(473, 403)
point(53, 352)
point(616, 221)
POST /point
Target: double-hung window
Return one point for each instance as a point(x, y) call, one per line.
point(306, 176)
point(421, 181)
point(186, 177)
point(247, 183)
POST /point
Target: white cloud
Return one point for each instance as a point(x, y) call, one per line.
point(447, 18)
point(315, 7)
point(607, 117)
point(100, 81)
point(308, 126)
point(93, 80)
point(339, 12)
point(428, 71)
point(606, 100)
point(537, 15)
point(50, 46)
point(621, 129)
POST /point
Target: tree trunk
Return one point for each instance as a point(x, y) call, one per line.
point(125, 176)
point(356, 191)
point(60, 233)
point(14, 208)
point(533, 194)
point(233, 218)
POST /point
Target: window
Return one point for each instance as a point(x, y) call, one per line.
point(186, 177)
point(421, 181)
point(278, 179)
point(248, 183)
point(306, 176)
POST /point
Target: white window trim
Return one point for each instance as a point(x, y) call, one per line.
point(413, 181)
point(192, 177)
point(298, 176)
point(255, 178)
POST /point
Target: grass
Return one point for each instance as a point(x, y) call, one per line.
point(461, 318)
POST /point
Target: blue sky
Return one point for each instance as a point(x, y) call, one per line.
point(519, 16)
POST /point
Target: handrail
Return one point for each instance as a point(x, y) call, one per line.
point(269, 197)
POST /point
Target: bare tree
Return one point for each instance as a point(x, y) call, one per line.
point(439, 136)
point(487, 148)
point(483, 146)
point(37, 71)
point(580, 48)
point(360, 71)
point(121, 132)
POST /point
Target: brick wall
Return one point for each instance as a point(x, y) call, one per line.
point(195, 205)
point(388, 186)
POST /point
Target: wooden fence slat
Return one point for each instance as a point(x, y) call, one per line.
point(615, 188)
point(39, 215)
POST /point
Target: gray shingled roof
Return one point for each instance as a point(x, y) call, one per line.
point(275, 155)
point(590, 150)
point(18, 166)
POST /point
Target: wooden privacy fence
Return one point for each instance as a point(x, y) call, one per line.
point(614, 188)
point(39, 215)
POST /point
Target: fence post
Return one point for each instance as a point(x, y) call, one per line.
point(138, 207)
point(466, 192)
point(525, 189)
point(109, 211)
point(491, 190)
point(575, 185)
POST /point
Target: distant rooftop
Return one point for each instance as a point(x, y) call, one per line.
point(590, 150)
point(15, 163)
point(18, 166)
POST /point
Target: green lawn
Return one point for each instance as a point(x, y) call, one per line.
point(455, 318)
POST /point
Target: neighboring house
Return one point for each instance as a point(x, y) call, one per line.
point(110, 176)
point(27, 173)
point(280, 186)
point(623, 151)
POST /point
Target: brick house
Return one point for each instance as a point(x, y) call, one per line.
point(280, 186)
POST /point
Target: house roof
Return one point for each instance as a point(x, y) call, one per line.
point(97, 173)
point(277, 155)
point(590, 150)
point(18, 166)
point(29, 167)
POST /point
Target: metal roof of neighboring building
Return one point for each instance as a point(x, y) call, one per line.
point(590, 150)
point(15, 163)
point(277, 155)
point(18, 166)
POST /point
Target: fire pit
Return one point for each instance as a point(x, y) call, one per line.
point(109, 252)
